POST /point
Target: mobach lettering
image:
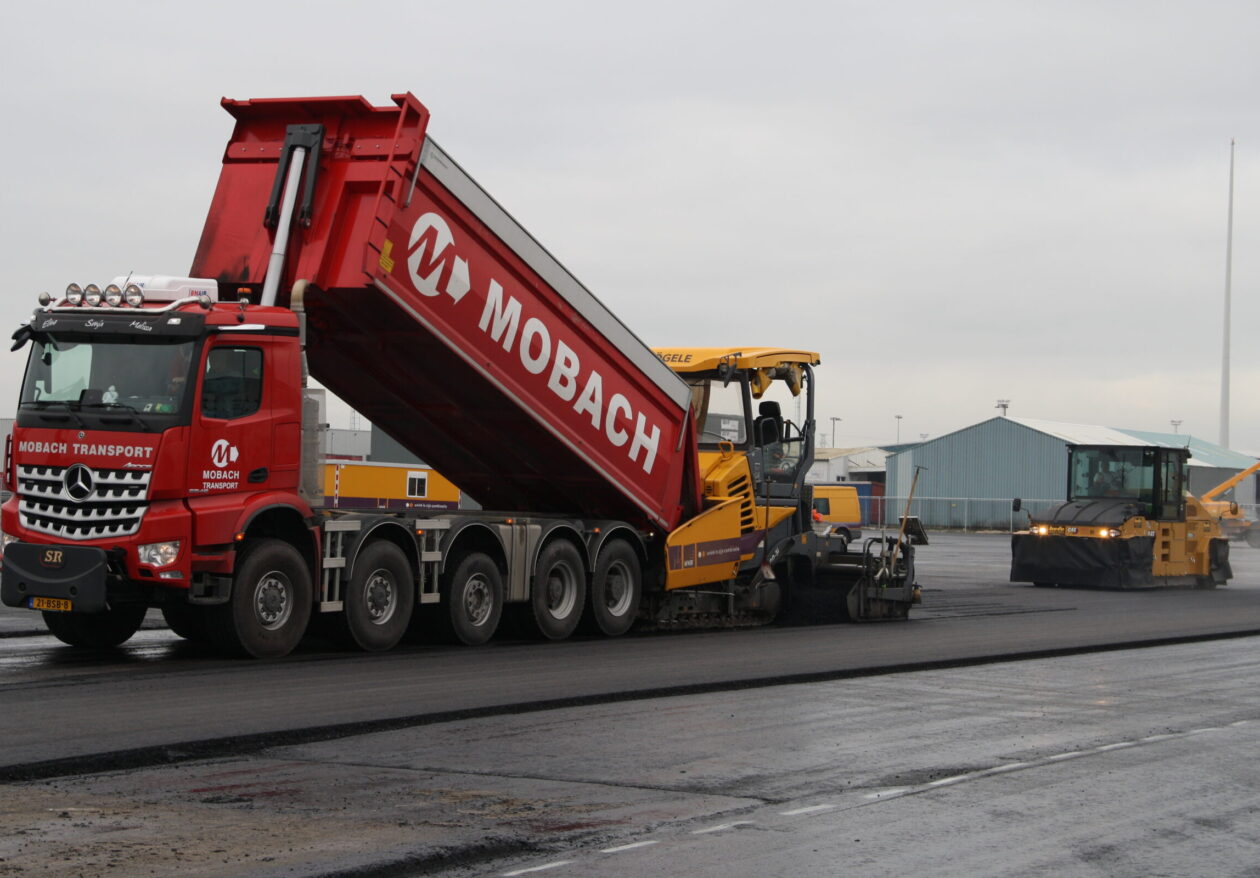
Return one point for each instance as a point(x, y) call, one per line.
point(432, 259)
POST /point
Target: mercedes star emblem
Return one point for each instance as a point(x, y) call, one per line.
point(79, 482)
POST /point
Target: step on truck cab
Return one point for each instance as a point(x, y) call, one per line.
point(164, 451)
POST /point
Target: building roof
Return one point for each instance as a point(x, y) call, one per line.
point(1202, 452)
point(1080, 434)
point(864, 457)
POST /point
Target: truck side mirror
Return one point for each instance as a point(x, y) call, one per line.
point(1016, 505)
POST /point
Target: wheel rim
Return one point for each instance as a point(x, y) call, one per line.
point(380, 597)
point(273, 600)
point(618, 589)
point(478, 600)
point(561, 591)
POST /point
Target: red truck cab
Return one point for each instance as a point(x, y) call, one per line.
point(154, 423)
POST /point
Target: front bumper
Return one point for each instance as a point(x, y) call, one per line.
point(78, 574)
point(1089, 561)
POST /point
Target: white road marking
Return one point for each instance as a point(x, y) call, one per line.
point(543, 868)
point(897, 792)
point(628, 847)
point(721, 827)
point(1010, 766)
point(813, 809)
point(891, 792)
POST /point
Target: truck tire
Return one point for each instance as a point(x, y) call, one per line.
point(270, 605)
point(186, 621)
point(559, 592)
point(379, 599)
point(97, 630)
point(473, 592)
point(616, 589)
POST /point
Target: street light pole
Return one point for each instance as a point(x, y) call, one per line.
point(833, 431)
point(898, 417)
point(1229, 260)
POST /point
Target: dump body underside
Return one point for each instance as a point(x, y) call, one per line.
point(441, 320)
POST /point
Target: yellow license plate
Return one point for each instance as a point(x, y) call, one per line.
point(57, 605)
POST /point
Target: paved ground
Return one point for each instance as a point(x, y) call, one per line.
point(1124, 763)
point(1134, 762)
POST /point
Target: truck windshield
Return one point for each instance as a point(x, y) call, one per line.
point(719, 411)
point(1102, 473)
point(135, 377)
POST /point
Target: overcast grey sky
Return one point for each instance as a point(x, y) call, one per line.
point(951, 202)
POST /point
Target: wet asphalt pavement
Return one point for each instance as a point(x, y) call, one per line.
point(1130, 762)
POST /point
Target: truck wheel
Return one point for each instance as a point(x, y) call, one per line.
point(379, 600)
point(559, 591)
point(97, 630)
point(473, 592)
point(616, 589)
point(186, 621)
point(270, 604)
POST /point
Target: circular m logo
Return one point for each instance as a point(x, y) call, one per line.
point(223, 453)
point(427, 261)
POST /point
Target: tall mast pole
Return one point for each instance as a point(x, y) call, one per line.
point(1229, 260)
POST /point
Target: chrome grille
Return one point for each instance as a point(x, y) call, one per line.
point(114, 507)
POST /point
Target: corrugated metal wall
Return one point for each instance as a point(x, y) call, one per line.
point(1204, 479)
point(997, 459)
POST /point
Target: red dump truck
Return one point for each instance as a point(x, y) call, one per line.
point(163, 453)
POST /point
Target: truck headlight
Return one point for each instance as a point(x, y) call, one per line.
point(113, 296)
point(92, 295)
point(159, 554)
point(1040, 529)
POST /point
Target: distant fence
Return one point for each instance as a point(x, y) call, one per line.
point(960, 513)
point(974, 513)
